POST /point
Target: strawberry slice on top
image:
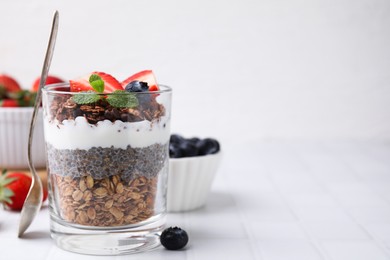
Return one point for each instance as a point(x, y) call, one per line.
point(144, 76)
point(82, 84)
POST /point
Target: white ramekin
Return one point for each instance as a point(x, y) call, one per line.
point(190, 180)
point(14, 129)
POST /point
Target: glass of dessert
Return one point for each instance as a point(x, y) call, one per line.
point(107, 160)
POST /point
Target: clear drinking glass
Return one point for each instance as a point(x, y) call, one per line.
point(107, 162)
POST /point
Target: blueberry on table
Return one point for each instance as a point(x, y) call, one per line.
point(137, 86)
point(174, 238)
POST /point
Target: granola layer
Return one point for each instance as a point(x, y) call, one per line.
point(106, 202)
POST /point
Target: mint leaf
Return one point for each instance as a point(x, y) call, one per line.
point(87, 97)
point(96, 82)
point(121, 98)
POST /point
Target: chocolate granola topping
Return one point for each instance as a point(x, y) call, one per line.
point(64, 108)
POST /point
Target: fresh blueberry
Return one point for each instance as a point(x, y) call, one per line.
point(208, 146)
point(194, 140)
point(137, 86)
point(174, 151)
point(188, 148)
point(144, 99)
point(174, 238)
point(176, 139)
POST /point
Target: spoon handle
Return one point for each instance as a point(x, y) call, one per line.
point(33, 200)
point(45, 71)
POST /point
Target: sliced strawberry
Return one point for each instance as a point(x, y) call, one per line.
point(9, 103)
point(110, 83)
point(8, 83)
point(144, 76)
point(50, 80)
point(81, 84)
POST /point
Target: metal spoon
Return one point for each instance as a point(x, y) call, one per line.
point(33, 202)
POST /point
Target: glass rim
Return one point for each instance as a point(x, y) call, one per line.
point(50, 88)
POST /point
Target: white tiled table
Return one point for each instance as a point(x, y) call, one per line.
point(270, 201)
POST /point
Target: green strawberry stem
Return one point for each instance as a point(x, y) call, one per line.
point(5, 193)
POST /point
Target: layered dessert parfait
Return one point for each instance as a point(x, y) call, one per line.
point(107, 149)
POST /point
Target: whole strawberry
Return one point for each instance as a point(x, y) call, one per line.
point(8, 103)
point(8, 84)
point(14, 188)
point(49, 80)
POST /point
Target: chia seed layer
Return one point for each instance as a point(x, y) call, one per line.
point(100, 163)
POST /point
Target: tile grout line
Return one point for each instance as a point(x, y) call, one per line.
point(243, 221)
point(381, 245)
point(378, 242)
point(323, 254)
point(370, 188)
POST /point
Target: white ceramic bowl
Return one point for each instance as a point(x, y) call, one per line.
point(190, 180)
point(14, 129)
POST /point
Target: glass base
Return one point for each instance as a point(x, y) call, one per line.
point(108, 241)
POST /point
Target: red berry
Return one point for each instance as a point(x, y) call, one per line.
point(144, 76)
point(9, 103)
point(50, 80)
point(14, 188)
point(82, 84)
point(8, 83)
point(45, 194)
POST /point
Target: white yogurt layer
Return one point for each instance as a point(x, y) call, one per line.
point(79, 134)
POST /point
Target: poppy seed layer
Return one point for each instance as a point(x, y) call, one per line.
point(101, 162)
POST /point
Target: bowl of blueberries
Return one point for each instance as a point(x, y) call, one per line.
point(193, 164)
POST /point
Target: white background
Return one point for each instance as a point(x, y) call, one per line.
point(241, 70)
point(263, 75)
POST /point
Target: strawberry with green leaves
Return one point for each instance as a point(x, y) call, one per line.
point(7, 102)
point(21, 98)
point(49, 80)
point(7, 85)
point(14, 187)
point(12, 95)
